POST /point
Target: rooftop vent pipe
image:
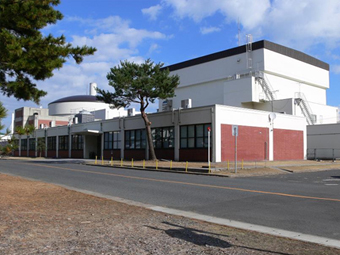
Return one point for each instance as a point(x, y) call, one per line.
point(93, 87)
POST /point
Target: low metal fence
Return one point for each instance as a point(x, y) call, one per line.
point(323, 153)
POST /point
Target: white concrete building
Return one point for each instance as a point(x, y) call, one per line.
point(180, 135)
point(261, 75)
point(266, 93)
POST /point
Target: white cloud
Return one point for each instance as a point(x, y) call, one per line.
point(335, 69)
point(293, 23)
point(153, 12)
point(208, 30)
point(249, 12)
point(114, 38)
point(154, 47)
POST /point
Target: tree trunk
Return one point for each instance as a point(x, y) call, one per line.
point(149, 135)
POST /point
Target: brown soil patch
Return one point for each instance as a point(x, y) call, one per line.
point(39, 218)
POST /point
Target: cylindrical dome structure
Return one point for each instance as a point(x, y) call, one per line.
point(74, 104)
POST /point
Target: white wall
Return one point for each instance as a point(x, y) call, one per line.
point(69, 108)
point(290, 68)
point(286, 87)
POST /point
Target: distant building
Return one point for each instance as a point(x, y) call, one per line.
point(39, 117)
point(67, 110)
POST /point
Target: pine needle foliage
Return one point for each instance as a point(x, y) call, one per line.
point(141, 84)
point(26, 54)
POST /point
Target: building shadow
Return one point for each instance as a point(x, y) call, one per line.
point(203, 238)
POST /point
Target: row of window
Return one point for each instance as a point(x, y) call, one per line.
point(77, 143)
point(191, 136)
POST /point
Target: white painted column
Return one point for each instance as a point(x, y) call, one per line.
point(271, 142)
point(177, 138)
point(84, 146)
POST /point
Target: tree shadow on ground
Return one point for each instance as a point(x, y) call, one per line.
point(203, 238)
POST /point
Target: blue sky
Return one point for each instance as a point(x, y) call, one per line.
point(171, 31)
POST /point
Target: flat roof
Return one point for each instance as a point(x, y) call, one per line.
point(298, 55)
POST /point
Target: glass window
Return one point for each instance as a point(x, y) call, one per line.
point(191, 131)
point(77, 142)
point(184, 132)
point(63, 143)
point(32, 144)
point(134, 139)
point(199, 130)
point(195, 136)
point(184, 143)
point(163, 137)
point(23, 144)
point(51, 143)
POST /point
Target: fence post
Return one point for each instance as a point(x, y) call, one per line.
point(314, 154)
point(333, 156)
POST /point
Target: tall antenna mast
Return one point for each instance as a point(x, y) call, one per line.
point(238, 32)
point(249, 51)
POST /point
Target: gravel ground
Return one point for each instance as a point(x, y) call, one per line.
point(40, 218)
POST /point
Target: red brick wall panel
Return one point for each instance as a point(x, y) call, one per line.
point(61, 123)
point(19, 113)
point(77, 154)
point(198, 155)
point(252, 143)
point(63, 154)
point(51, 154)
point(165, 154)
point(288, 144)
point(134, 154)
point(45, 122)
point(112, 153)
point(41, 154)
point(31, 153)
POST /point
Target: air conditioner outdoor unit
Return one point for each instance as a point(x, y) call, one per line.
point(42, 126)
point(186, 103)
point(131, 112)
point(167, 105)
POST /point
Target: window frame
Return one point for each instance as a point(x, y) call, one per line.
point(160, 140)
point(135, 139)
point(51, 143)
point(111, 140)
point(192, 138)
point(31, 144)
point(23, 145)
point(77, 142)
point(63, 143)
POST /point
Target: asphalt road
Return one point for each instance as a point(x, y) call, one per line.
point(307, 203)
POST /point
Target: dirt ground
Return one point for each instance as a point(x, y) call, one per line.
point(40, 218)
point(249, 168)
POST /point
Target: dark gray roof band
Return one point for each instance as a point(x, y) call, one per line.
point(77, 98)
point(298, 55)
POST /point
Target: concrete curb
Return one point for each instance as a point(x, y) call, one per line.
point(179, 170)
